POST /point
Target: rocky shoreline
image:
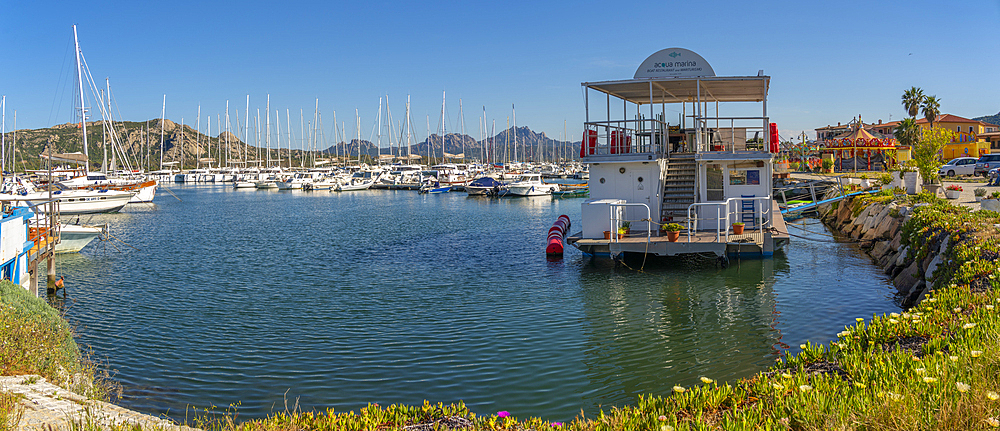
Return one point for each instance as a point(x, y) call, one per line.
point(879, 229)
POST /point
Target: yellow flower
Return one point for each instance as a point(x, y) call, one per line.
point(707, 380)
point(958, 309)
point(859, 319)
point(859, 385)
point(893, 321)
point(989, 306)
point(932, 300)
point(778, 386)
point(975, 353)
point(916, 320)
point(805, 388)
point(786, 375)
point(893, 314)
point(953, 358)
point(679, 389)
point(666, 428)
point(803, 346)
point(993, 422)
point(962, 387)
point(992, 395)
point(930, 379)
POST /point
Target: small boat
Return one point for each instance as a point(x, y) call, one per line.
point(573, 193)
point(482, 186)
point(531, 185)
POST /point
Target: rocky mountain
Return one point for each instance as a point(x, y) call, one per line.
point(140, 144)
point(530, 145)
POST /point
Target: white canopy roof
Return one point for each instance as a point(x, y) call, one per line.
point(644, 91)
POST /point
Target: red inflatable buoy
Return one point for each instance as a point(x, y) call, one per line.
point(556, 235)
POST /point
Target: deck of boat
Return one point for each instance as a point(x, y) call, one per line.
point(756, 241)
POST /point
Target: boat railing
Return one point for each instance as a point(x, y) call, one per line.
point(725, 214)
point(621, 137)
point(617, 219)
point(731, 134)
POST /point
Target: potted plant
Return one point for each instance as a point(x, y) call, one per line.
point(673, 231)
point(626, 228)
point(885, 181)
point(738, 228)
point(991, 204)
point(827, 166)
point(980, 194)
point(953, 191)
point(864, 181)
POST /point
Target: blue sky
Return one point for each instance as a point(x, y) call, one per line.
point(829, 61)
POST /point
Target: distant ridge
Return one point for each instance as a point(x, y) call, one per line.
point(992, 119)
point(132, 135)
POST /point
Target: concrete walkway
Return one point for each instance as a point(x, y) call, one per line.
point(48, 407)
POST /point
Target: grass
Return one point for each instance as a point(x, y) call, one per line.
point(35, 339)
point(935, 366)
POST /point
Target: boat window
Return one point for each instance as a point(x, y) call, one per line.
point(713, 183)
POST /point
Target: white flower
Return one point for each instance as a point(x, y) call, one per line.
point(679, 389)
point(893, 321)
point(992, 395)
point(920, 371)
point(962, 387)
point(786, 375)
point(805, 388)
point(893, 314)
point(958, 309)
point(778, 386)
point(989, 306)
point(969, 325)
point(930, 379)
point(707, 380)
point(993, 422)
point(803, 346)
point(953, 358)
point(932, 300)
point(975, 353)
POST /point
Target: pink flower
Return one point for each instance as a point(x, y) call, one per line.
point(557, 424)
point(503, 414)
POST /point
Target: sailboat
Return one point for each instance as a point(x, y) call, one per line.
point(139, 188)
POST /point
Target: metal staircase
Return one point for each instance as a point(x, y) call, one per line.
point(678, 188)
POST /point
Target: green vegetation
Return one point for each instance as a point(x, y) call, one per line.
point(931, 108)
point(35, 339)
point(912, 99)
point(927, 152)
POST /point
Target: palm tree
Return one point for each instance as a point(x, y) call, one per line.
point(907, 132)
point(912, 99)
point(931, 109)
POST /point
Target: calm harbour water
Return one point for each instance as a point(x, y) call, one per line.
point(341, 299)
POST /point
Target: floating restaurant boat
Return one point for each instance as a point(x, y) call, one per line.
point(701, 172)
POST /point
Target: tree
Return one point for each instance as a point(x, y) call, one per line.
point(907, 132)
point(931, 109)
point(912, 100)
point(927, 152)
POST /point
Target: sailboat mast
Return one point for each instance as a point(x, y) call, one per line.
point(288, 127)
point(408, 126)
point(461, 119)
point(246, 135)
point(514, 114)
point(357, 127)
point(267, 134)
point(378, 146)
point(83, 109)
point(163, 117)
point(198, 135)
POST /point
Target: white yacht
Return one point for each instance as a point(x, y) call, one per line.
point(71, 201)
point(531, 185)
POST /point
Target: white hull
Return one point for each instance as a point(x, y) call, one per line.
point(76, 202)
point(244, 185)
point(73, 238)
point(143, 195)
point(354, 187)
point(533, 189)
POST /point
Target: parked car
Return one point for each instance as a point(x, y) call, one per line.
point(985, 163)
point(959, 166)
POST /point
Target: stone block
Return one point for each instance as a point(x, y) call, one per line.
point(907, 278)
point(932, 266)
point(902, 256)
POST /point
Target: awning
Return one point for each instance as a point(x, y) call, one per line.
point(76, 157)
point(677, 90)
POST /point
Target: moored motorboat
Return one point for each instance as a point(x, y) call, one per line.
point(531, 185)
